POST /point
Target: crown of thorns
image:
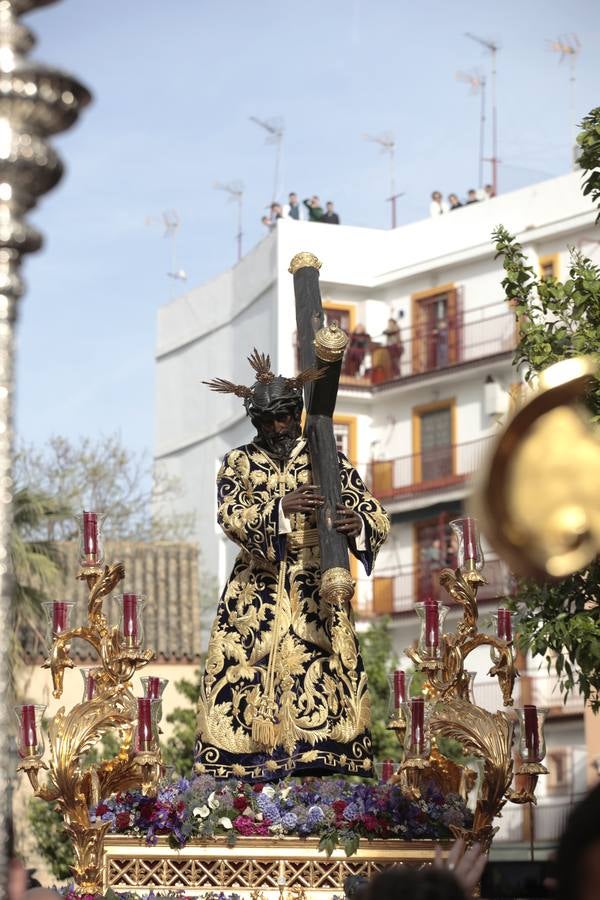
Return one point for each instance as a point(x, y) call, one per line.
point(270, 391)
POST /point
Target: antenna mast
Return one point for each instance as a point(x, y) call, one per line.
point(477, 83)
point(170, 220)
point(388, 145)
point(235, 189)
point(275, 131)
point(569, 48)
point(493, 48)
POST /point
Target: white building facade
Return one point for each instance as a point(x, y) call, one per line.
point(415, 412)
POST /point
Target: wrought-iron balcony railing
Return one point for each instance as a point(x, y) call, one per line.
point(395, 592)
point(473, 335)
point(437, 469)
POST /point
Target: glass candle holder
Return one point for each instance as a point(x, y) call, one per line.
point(58, 614)
point(531, 743)
point(502, 620)
point(398, 692)
point(90, 683)
point(469, 553)
point(153, 689)
point(91, 544)
point(30, 737)
point(145, 724)
point(417, 742)
point(131, 626)
point(432, 614)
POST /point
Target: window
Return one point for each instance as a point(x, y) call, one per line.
point(434, 549)
point(433, 442)
point(549, 266)
point(344, 431)
point(435, 330)
point(559, 770)
point(343, 315)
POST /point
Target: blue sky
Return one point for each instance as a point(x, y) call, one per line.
point(174, 85)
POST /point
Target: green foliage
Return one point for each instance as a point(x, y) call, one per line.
point(103, 474)
point(589, 155)
point(561, 620)
point(47, 824)
point(52, 843)
point(379, 660)
point(178, 751)
point(37, 564)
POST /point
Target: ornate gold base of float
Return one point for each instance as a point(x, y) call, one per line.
point(255, 868)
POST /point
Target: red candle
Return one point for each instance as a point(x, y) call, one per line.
point(130, 619)
point(144, 723)
point(432, 624)
point(153, 688)
point(90, 533)
point(504, 624)
point(417, 724)
point(469, 539)
point(387, 770)
point(60, 612)
point(28, 730)
point(90, 686)
point(399, 688)
point(532, 738)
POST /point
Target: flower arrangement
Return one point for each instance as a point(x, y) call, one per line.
point(339, 812)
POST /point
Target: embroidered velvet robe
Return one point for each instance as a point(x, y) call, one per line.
point(272, 619)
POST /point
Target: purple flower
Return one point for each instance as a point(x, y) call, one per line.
point(289, 821)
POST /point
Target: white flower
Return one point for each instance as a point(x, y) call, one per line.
point(259, 817)
point(201, 812)
point(284, 793)
point(226, 823)
point(269, 791)
point(213, 802)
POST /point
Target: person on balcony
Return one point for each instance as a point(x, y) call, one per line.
point(358, 347)
point(395, 347)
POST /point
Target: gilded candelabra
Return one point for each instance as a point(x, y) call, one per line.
point(446, 708)
point(74, 784)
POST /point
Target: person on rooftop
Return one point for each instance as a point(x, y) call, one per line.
point(454, 202)
point(291, 209)
point(330, 217)
point(315, 210)
point(438, 205)
point(472, 197)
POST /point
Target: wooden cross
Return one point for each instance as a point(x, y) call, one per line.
point(322, 346)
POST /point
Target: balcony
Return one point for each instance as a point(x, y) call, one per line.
point(540, 688)
point(396, 593)
point(473, 335)
point(437, 469)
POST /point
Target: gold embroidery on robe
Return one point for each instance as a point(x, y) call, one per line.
point(323, 712)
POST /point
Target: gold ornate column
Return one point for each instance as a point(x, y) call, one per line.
point(36, 102)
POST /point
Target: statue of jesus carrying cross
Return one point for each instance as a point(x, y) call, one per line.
point(284, 690)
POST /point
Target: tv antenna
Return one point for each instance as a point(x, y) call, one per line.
point(493, 48)
point(235, 190)
point(569, 48)
point(388, 145)
point(171, 222)
point(476, 81)
point(275, 131)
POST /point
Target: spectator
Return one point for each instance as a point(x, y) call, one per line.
point(315, 210)
point(578, 856)
point(267, 223)
point(472, 197)
point(360, 342)
point(438, 206)
point(454, 202)
point(330, 217)
point(291, 210)
point(394, 346)
point(489, 191)
point(276, 212)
